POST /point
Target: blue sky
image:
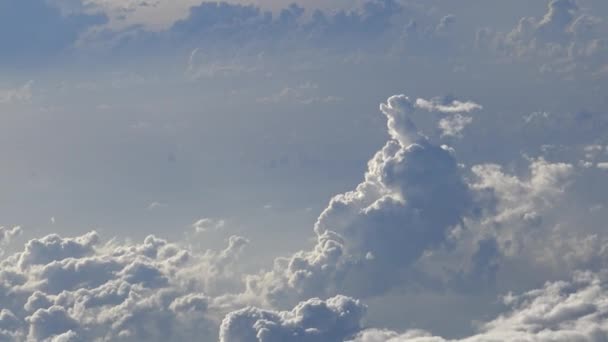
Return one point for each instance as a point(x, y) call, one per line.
point(374, 170)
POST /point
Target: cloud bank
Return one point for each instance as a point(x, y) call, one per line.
point(419, 218)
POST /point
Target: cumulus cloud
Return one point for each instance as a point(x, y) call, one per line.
point(75, 289)
point(331, 320)
point(418, 211)
point(432, 40)
point(560, 311)
point(567, 40)
point(413, 193)
point(247, 27)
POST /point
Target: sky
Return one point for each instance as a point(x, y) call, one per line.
point(328, 171)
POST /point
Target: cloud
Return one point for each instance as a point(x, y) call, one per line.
point(20, 94)
point(426, 36)
point(454, 106)
point(421, 216)
point(51, 322)
point(7, 234)
point(331, 320)
point(249, 29)
point(244, 22)
point(54, 248)
point(208, 225)
point(369, 238)
point(80, 289)
point(560, 311)
point(452, 126)
point(156, 205)
point(567, 40)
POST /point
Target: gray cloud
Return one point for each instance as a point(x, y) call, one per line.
point(7, 234)
point(454, 125)
point(412, 195)
point(565, 40)
point(331, 320)
point(560, 311)
point(80, 289)
point(15, 95)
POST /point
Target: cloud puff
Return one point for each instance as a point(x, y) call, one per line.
point(80, 289)
point(565, 40)
point(453, 106)
point(7, 234)
point(208, 225)
point(331, 320)
point(20, 94)
point(432, 40)
point(559, 311)
point(573, 310)
point(452, 126)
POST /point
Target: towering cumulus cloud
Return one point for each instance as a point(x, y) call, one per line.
point(418, 211)
point(78, 289)
point(368, 238)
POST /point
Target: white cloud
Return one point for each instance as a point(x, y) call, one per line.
point(454, 106)
point(574, 310)
point(334, 319)
point(15, 95)
point(79, 289)
point(568, 40)
point(208, 225)
point(7, 234)
point(156, 205)
point(452, 126)
point(560, 311)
